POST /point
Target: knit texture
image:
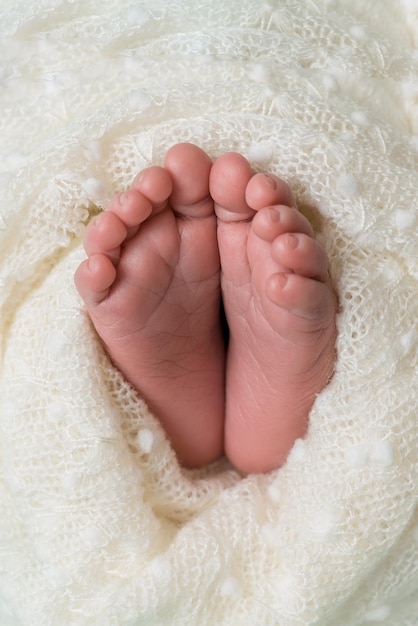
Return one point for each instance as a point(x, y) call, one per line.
point(99, 525)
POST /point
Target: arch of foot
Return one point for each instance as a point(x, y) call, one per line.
point(81, 453)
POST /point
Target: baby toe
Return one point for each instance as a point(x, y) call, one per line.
point(301, 254)
point(266, 189)
point(93, 279)
point(305, 298)
point(189, 167)
point(229, 177)
point(272, 221)
point(104, 234)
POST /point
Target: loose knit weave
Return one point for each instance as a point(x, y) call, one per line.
point(99, 526)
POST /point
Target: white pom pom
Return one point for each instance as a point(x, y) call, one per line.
point(93, 537)
point(160, 568)
point(57, 410)
point(357, 455)
point(405, 218)
point(330, 83)
point(347, 185)
point(259, 73)
point(357, 32)
point(136, 15)
point(57, 577)
point(55, 343)
point(94, 188)
point(379, 614)
point(298, 452)
point(360, 118)
point(230, 588)
point(145, 440)
point(261, 152)
point(138, 101)
point(382, 453)
point(408, 341)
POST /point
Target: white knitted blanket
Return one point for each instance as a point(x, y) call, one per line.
point(99, 526)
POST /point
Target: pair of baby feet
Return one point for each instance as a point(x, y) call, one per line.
point(186, 239)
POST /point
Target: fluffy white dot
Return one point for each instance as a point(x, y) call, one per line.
point(93, 537)
point(93, 150)
point(5, 179)
point(414, 139)
point(357, 32)
point(408, 341)
point(145, 440)
point(200, 45)
point(139, 100)
point(274, 493)
point(259, 72)
point(136, 16)
point(230, 588)
point(379, 614)
point(298, 452)
point(9, 409)
point(261, 152)
point(57, 577)
point(360, 118)
point(286, 585)
point(330, 83)
point(55, 343)
point(14, 159)
point(94, 188)
point(269, 533)
point(381, 452)
point(356, 455)
point(57, 410)
point(347, 185)
point(392, 270)
point(405, 218)
point(53, 83)
point(71, 482)
point(160, 568)
point(324, 525)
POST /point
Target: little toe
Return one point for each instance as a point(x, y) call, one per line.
point(229, 177)
point(305, 298)
point(301, 254)
point(189, 167)
point(104, 235)
point(93, 279)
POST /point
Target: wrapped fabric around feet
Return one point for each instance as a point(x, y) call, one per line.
point(99, 525)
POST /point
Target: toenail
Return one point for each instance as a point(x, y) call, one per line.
point(281, 280)
point(292, 241)
point(123, 198)
point(270, 181)
point(274, 214)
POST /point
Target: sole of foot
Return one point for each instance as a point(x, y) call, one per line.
point(280, 308)
point(151, 286)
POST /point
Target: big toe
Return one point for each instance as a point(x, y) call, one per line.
point(229, 178)
point(189, 167)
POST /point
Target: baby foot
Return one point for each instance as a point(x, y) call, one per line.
point(280, 309)
point(151, 287)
